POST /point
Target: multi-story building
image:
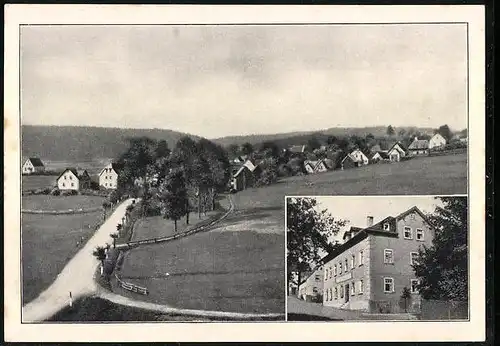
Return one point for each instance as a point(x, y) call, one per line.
point(370, 269)
point(311, 288)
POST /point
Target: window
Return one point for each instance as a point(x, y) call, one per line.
point(64, 185)
point(412, 216)
point(353, 289)
point(72, 184)
point(336, 293)
point(353, 261)
point(388, 285)
point(386, 226)
point(330, 274)
point(341, 291)
point(316, 278)
point(408, 233)
point(326, 274)
point(388, 256)
point(413, 258)
point(360, 289)
point(65, 177)
point(335, 270)
point(420, 234)
point(346, 263)
point(315, 290)
point(361, 257)
point(340, 268)
point(70, 177)
point(414, 286)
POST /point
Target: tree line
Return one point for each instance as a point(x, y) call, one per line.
point(173, 183)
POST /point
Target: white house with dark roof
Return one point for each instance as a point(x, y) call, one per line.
point(437, 141)
point(396, 152)
point(108, 177)
point(33, 165)
point(72, 179)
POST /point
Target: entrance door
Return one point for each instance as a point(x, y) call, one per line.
point(346, 293)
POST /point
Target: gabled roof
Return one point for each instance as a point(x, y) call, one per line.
point(376, 229)
point(72, 170)
point(248, 165)
point(399, 144)
point(114, 166)
point(375, 148)
point(419, 144)
point(35, 161)
point(382, 154)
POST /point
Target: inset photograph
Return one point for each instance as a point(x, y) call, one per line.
point(377, 258)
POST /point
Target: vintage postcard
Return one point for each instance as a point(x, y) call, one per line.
point(244, 173)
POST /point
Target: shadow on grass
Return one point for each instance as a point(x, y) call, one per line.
point(251, 214)
point(306, 317)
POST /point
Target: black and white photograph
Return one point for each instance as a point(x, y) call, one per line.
point(177, 167)
point(377, 258)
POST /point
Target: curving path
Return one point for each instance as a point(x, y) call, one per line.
point(77, 276)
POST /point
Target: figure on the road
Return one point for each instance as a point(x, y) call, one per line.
point(70, 299)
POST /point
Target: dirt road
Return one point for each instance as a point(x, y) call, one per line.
point(77, 275)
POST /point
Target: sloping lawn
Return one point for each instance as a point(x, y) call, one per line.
point(49, 202)
point(32, 182)
point(48, 243)
point(238, 266)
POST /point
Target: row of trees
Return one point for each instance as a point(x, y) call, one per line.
point(174, 182)
point(441, 268)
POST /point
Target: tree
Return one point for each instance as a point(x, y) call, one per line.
point(405, 295)
point(162, 149)
point(233, 149)
point(114, 236)
point(270, 149)
point(308, 232)
point(331, 140)
point(313, 143)
point(442, 267)
point(401, 132)
point(247, 148)
point(390, 130)
point(445, 131)
point(100, 254)
point(173, 196)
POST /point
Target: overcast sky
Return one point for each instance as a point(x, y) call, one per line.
point(230, 80)
point(356, 209)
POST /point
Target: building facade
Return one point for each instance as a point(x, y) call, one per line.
point(374, 264)
point(311, 289)
point(437, 141)
point(108, 177)
point(33, 165)
point(71, 179)
point(396, 152)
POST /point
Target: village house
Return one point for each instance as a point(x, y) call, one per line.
point(311, 288)
point(245, 176)
point(354, 159)
point(72, 179)
point(240, 159)
point(369, 270)
point(418, 147)
point(317, 166)
point(108, 177)
point(380, 156)
point(437, 141)
point(396, 152)
point(33, 165)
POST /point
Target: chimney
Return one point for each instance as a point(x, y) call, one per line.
point(416, 138)
point(369, 221)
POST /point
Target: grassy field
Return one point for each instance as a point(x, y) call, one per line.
point(50, 241)
point(48, 202)
point(32, 182)
point(237, 266)
point(93, 309)
point(439, 175)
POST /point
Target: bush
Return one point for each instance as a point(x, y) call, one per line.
point(267, 177)
point(69, 193)
point(55, 192)
point(42, 191)
point(284, 170)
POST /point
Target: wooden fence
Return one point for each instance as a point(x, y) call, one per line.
point(131, 287)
